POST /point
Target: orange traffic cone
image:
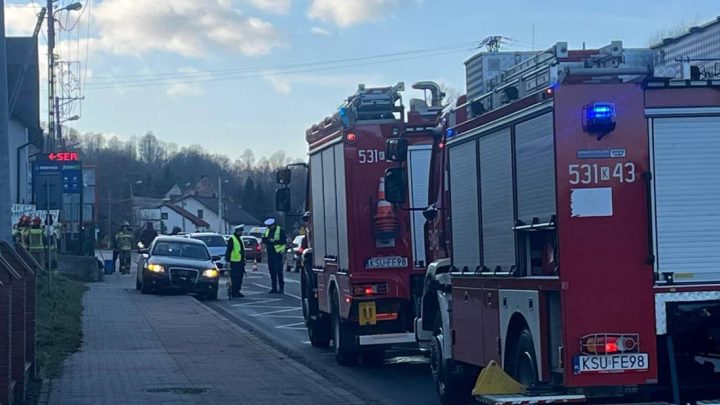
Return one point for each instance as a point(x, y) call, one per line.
point(255, 268)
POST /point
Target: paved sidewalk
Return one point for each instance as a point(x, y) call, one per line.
point(171, 349)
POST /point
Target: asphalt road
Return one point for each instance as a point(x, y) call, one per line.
point(403, 379)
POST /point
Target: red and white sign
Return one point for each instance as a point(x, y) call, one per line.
point(63, 157)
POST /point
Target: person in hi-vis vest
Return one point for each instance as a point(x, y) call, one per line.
point(274, 240)
point(235, 258)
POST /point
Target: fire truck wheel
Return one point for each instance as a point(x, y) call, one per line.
point(373, 358)
point(524, 367)
point(451, 388)
point(342, 336)
point(319, 332)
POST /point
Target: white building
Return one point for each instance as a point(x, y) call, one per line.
point(25, 134)
point(700, 46)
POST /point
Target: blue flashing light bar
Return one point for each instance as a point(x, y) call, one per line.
point(599, 118)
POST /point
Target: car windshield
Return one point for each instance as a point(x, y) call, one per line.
point(180, 249)
point(212, 240)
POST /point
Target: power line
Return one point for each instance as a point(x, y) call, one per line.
point(161, 83)
point(458, 46)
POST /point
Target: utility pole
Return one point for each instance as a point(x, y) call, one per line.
point(5, 194)
point(51, 76)
point(220, 206)
point(109, 228)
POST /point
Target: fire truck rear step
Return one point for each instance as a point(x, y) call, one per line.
point(526, 399)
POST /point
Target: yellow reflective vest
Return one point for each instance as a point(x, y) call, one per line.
point(278, 245)
point(238, 250)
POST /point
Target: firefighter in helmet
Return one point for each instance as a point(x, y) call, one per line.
point(35, 241)
point(25, 231)
point(123, 245)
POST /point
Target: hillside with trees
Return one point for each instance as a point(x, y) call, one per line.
point(149, 167)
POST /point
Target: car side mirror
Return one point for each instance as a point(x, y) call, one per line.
point(283, 176)
point(216, 258)
point(395, 185)
point(282, 200)
point(430, 213)
point(396, 149)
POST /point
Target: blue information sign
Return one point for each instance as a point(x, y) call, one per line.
point(71, 174)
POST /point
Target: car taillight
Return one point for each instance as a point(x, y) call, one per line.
point(367, 290)
point(257, 248)
point(609, 343)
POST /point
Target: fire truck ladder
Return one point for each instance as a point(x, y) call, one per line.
point(547, 68)
point(373, 103)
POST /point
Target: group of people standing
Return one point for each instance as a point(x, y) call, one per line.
point(274, 240)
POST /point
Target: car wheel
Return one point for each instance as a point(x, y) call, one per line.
point(144, 287)
point(211, 296)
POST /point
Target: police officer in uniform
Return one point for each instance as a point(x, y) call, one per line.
point(235, 257)
point(123, 244)
point(275, 240)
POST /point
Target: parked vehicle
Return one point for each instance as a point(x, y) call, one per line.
point(177, 263)
point(293, 257)
point(567, 234)
point(253, 249)
point(216, 244)
point(363, 290)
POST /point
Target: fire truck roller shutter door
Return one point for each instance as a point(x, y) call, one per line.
point(318, 211)
point(498, 215)
point(340, 188)
point(535, 157)
point(685, 172)
point(330, 202)
point(464, 205)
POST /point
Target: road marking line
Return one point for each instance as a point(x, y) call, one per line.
point(277, 311)
point(280, 316)
point(263, 306)
point(292, 326)
point(288, 294)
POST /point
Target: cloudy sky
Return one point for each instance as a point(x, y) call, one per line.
point(232, 74)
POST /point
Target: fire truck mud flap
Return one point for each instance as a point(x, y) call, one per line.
point(386, 339)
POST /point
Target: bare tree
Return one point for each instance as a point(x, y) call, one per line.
point(248, 158)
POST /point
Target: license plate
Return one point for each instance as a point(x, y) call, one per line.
point(184, 273)
point(367, 313)
point(617, 363)
point(389, 262)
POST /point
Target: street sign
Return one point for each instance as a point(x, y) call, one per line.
point(71, 173)
point(63, 156)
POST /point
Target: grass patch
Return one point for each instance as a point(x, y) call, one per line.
point(59, 322)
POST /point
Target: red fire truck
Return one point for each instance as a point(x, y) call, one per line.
point(362, 277)
point(571, 234)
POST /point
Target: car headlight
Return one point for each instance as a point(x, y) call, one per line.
point(156, 268)
point(210, 273)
